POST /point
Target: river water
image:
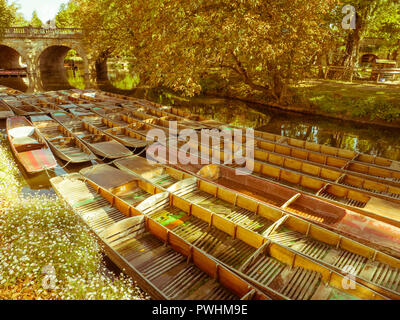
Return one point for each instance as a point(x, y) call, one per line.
point(370, 139)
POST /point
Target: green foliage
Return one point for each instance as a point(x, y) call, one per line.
point(18, 18)
point(124, 81)
point(6, 16)
point(265, 45)
point(259, 47)
point(35, 21)
point(78, 81)
point(65, 16)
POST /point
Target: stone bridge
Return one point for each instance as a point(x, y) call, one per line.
point(43, 51)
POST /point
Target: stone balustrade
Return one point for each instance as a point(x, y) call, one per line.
point(31, 32)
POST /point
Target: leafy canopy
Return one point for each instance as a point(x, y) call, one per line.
point(6, 16)
point(262, 45)
point(35, 21)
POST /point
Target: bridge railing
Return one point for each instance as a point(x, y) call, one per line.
point(32, 32)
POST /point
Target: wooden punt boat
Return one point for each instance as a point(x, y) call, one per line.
point(90, 96)
point(100, 122)
point(331, 156)
point(45, 105)
point(23, 108)
point(123, 135)
point(166, 268)
point(371, 167)
point(98, 142)
point(46, 100)
point(133, 114)
point(127, 137)
point(339, 162)
point(344, 190)
point(160, 114)
point(119, 119)
point(28, 146)
point(68, 106)
point(61, 141)
point(369, 231)
point(5, 110)
point(68, 97)
point(80, 112)
point(340, 158)
point(304, 237)
point(375, 187)
point(247, 253)
point(9, 91)
point(155, 123)
point(104, 110)
point(321, 183)
point(96, 96)
point(130, 122)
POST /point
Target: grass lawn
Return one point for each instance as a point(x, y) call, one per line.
point(357, 99)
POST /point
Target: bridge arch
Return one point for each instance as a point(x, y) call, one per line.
point(12, 58)
point(50, 65)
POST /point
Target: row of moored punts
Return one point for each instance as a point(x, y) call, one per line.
point(307, 217)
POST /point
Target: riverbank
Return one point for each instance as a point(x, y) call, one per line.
point(46, 252)
point(367, 103)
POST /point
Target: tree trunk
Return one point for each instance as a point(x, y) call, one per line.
point(321, 73)
point(395, 54)
point(352, 50)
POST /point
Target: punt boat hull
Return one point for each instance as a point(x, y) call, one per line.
point(286, 228)
point(62, 142)
point(235, 246)
point(34, 155)
point(167, 268)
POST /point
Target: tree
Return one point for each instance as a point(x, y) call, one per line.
point(35, 21)
point(6, 16)
point(65, 17)
point(386, 26)
point(365, 14)
point(373, 18)
point(265, 45)
point(18, 18)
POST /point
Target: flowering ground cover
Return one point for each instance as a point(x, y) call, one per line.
point(46, 252)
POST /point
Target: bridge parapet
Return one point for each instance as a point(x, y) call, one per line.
point(49, 33)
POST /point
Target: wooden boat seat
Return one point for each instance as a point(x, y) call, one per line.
point(24, 144)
